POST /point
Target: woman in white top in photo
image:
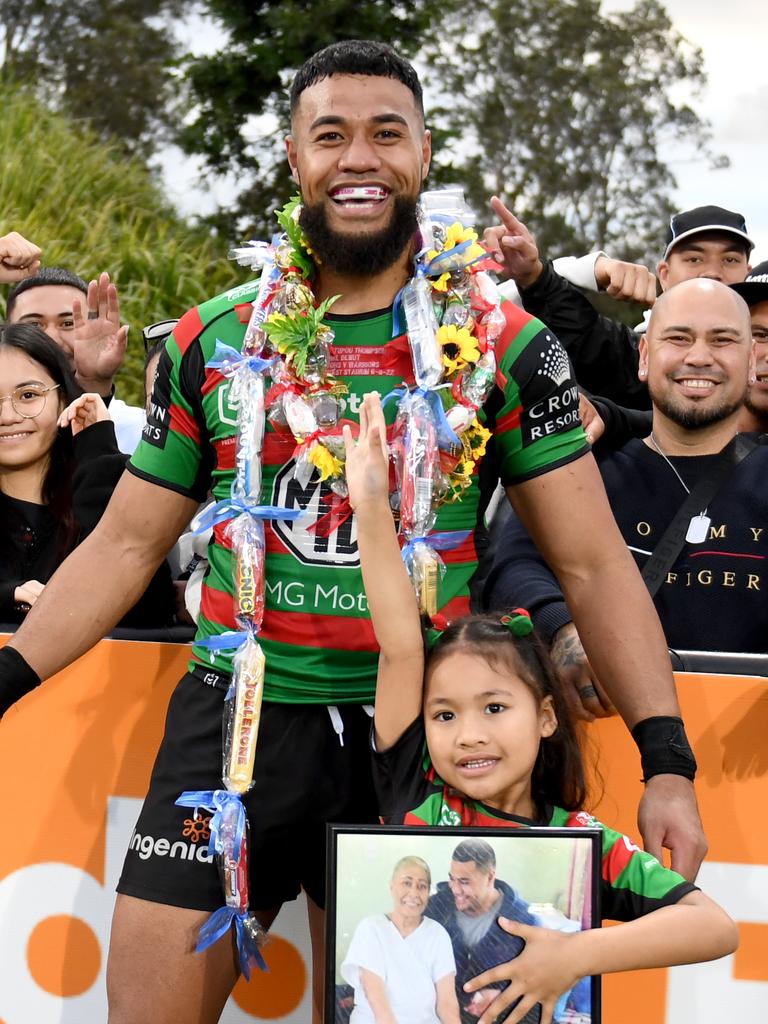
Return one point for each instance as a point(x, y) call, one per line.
point(401, 964)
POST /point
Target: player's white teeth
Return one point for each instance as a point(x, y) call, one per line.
point(697, 382)
point(359, 193)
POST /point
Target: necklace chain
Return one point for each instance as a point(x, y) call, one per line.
point(656, 445)
point(685, 487)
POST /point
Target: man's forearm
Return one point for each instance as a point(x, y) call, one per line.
point(623, 639)
point(91, 591)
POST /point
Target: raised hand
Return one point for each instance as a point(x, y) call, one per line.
point(630, 282)
point(84, 412)
point(18, 258)
point(98, 342)
point(511, 244)
point(367, 460)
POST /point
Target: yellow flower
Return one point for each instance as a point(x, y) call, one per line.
point(459, 347)
point(476, 437)
point(326, 463)
point(457, 233)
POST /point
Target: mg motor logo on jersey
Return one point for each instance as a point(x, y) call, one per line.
point(314, 499)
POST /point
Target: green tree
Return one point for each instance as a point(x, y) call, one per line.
point(568, 113)
point(109, 63)
point(239, 94)
point(90, 208)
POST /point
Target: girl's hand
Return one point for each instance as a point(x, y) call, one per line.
point(84, 412)
point(27, 593)
point(367, 461)
point(544, 970)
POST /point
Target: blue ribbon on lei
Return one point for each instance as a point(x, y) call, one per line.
point(446, 437)
point(227, 357)
point(229, 508)
point(218, 924)
point(444, 541)
point(216, 801)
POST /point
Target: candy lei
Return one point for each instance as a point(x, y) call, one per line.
point(451, 313)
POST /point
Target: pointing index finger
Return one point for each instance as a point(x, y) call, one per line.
point(507, 218)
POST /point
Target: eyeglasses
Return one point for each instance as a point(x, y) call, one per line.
point(157, 332)
point(28, 401)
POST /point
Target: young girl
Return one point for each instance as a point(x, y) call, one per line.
point(502, 751)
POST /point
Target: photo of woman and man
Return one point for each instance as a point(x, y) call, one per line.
point(417, 918)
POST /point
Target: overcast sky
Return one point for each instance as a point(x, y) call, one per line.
point(734, 40)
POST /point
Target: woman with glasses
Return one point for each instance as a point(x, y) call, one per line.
point(59, 464)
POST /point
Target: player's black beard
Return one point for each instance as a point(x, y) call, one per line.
point(695, 417)
point(360, 255)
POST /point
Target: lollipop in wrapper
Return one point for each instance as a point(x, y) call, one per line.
point(477, 383)
point(248, 390)
point(255, 338)
point(417, 462)
point(421, 324)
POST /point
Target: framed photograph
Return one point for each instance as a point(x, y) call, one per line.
point(412, 915)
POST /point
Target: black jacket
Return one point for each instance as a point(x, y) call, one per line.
point(32, 537)
point(603, 352)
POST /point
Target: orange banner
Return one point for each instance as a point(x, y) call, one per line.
point(75, 758)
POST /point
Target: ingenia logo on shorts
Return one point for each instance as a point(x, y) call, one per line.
point(148, 846)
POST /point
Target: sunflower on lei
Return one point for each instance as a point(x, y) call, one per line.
point(464, 241)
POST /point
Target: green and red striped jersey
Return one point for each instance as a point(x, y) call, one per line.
point(410, 792)
point(316, 634)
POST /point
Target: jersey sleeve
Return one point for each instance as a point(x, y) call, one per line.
point(634, 882)
point(537, 425)
point(399, 774)
point(172, 452)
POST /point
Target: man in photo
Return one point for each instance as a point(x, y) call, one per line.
point(468, 906)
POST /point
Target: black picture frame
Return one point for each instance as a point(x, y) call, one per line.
point(560, 867)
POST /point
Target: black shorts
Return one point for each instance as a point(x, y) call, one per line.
point(303, 776)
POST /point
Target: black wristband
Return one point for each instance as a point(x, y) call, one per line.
point(664, 747)
point(16, 678)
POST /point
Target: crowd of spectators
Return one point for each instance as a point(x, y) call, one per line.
point(64, 435)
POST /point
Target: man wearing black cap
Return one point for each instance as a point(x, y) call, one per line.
point(707, 242)
point(754, 291)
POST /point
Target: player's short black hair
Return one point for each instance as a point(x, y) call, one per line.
point(356, 57)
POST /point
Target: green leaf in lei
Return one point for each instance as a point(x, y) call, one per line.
point(300, 257)
point(294, 335)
